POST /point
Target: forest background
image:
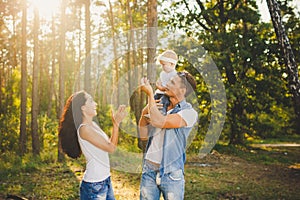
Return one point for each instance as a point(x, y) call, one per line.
point(50, 50)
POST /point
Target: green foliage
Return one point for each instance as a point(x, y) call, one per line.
point(48, 132)
point(9, 114)
point(245, 51)
point(104, 118)
point(9, 128)
point(272, 125)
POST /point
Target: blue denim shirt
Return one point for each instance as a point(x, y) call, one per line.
point(174, 145)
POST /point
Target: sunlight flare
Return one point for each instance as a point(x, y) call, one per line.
point(46, 7)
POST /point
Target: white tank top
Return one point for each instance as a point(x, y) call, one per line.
point(97, 160)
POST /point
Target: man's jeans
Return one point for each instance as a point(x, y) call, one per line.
point(97, 191)
point(171, 185)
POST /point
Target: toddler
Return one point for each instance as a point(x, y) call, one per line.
point(168, 60)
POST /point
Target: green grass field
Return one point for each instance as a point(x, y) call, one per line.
point(227, 173)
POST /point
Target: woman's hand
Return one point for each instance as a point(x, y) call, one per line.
point(119, 115)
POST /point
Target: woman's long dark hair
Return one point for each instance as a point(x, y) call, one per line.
point(70, 120)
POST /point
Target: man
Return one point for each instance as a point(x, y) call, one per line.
point(164, 158)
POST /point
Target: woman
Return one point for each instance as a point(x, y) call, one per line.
point(78, 134)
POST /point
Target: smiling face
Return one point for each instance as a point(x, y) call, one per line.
point(90, 106)
point(175, 88)
point(167, 66)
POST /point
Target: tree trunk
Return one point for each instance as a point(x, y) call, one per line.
point(87, 73)
point(137, 98)
point(133, 45)
point(151, 40)
point(23, 135)
point(51, 87)
point(62, 69)
point(129, 38)
point(79, 50)
point(236, 136)
point(35, 94)
point(289, 58)
point(115, 61)
point(1, 84)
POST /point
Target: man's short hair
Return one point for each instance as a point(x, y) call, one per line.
point(189, 82)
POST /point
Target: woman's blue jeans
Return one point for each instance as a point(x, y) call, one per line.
point(97, 191)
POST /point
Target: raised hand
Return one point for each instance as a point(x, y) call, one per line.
point(146, 87)
point(119, 115)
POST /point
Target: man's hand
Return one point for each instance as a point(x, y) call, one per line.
point(146, 87)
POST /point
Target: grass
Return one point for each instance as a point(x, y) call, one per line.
point(231, 172)
point(246, 173)
point(283, 139)
point(36, 179)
